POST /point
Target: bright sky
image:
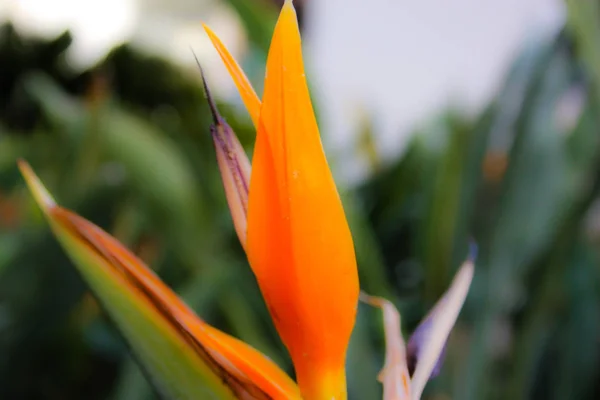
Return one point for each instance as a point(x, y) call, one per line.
point(404, 60)
point(96, 24)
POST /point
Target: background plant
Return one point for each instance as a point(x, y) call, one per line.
point(126, 145)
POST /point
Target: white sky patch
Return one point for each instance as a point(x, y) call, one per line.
point(96, 25)
point(406, 61)
point(167, 28)
point(401, 60)
point(175, 36)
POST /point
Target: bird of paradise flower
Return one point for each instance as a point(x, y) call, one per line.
point(291, 223)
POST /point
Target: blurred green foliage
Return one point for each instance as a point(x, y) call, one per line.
point(126, 145)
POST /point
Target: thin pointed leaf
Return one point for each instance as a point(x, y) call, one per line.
point(249, 96)
point(183, 356)
point(394, 375)
point(432, 334)
point(234, 166)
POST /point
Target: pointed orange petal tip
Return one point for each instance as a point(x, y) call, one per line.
point(299, 243)
point(249, 96)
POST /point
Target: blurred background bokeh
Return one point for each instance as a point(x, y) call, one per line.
point(443, 121)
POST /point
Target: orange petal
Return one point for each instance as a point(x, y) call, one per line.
point(245, 370)
point(237, 359)
point(298, 241)
point(244, 86)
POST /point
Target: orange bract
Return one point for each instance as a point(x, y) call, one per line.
point(291, 223)
point(245, 370)
point(298, 241)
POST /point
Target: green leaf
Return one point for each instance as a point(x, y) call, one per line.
point(176, 370)
point(183, 356)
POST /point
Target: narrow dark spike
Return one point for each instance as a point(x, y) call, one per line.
point(211, 103)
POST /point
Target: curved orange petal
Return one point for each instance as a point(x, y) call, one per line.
point(249, 96)
point(246, 371)
point(234, 356)
point(263, 372)
point(298, 241)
